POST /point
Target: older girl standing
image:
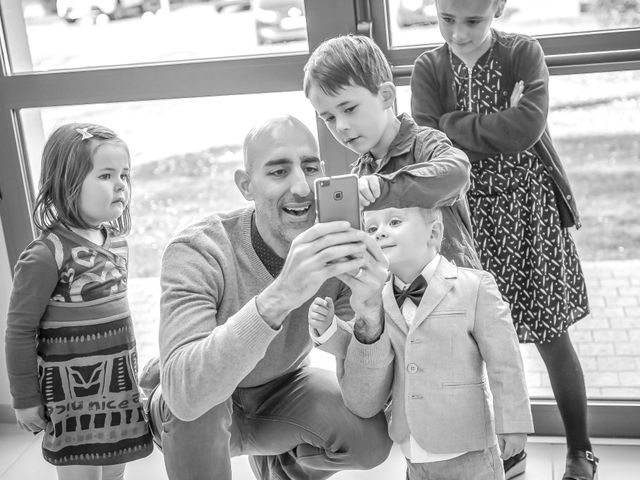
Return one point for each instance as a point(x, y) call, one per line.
point(488, 91)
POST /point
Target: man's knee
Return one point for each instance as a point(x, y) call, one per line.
point(366, 440)
point(374, 444)
point(211, 427)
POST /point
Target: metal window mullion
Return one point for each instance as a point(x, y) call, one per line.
point(594, 68)
point(582, 42)
point(594, 58)
point(607, 418)
point(16, 54)
point(15, 202)
point(153, 82)
point(403, 59)
point(327, 19)
point(380, 25)
point(588, 62)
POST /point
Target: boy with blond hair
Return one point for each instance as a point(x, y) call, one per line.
point(447, 355)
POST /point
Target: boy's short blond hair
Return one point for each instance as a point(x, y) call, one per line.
point(346, 60)
point(431, 214)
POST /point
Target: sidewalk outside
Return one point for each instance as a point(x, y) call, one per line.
point(607, 341)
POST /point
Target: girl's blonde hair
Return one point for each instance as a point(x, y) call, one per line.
point(67, 159)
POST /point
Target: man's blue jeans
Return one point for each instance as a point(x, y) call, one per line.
point(296, 427)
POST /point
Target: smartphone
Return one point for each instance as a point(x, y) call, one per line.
point(337, 199)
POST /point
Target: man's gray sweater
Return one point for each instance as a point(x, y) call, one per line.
point(212, 339)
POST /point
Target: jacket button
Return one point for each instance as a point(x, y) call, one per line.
point(568, 197)
point(412, 368)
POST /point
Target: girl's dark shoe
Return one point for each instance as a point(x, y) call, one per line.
point(515, 465)
point(581, 465)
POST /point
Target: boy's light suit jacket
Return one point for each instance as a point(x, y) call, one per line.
point(435, 369)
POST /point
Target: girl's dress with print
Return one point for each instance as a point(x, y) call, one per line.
point(516, 223)
point(87, 361)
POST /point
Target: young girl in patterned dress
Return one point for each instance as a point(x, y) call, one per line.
point(71, 353)
point(488, 91)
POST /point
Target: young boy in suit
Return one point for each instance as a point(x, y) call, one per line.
point(448, 356)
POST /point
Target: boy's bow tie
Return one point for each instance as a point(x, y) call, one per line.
point(414, 292)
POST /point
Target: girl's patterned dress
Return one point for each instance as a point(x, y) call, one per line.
point(516, 223)
point(87, 361)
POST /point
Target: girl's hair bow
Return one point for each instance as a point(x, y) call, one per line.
point(84, 132)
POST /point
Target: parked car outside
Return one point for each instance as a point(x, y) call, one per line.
point(220, 5)
point(73, 10)
point(279, 21)
point(416, 12)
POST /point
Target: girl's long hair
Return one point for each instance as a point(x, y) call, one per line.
point(67, 159)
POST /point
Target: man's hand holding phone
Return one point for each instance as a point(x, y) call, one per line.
point(366, 292)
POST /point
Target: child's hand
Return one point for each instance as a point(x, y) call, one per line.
point(369, 188)
point(31, 419)
point(321, 314)
point(511, 443)
point(517, 93)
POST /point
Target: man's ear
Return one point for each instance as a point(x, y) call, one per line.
point(387, 92)
point(499, 8)
point(243, 182)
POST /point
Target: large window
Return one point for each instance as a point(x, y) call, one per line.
point(66, 34)
point(182, 81)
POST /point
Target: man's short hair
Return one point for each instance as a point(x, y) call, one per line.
point(346, 60)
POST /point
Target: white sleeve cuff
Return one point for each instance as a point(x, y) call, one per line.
point(329, 332)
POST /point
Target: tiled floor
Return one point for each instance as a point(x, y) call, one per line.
point(20, 459)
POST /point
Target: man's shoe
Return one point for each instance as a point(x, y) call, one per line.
point(515, 465)
point(581, 465)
